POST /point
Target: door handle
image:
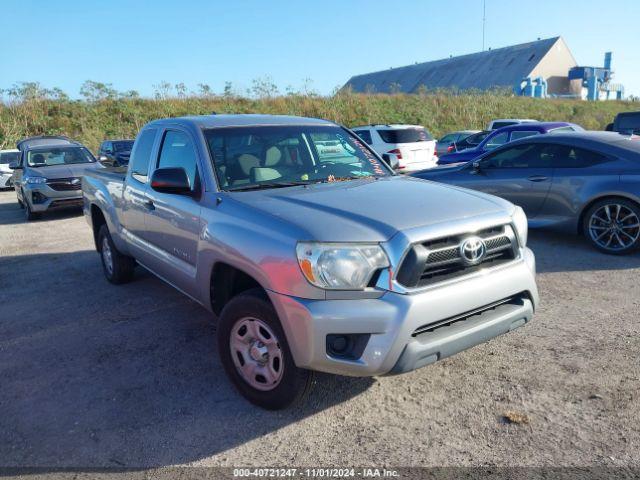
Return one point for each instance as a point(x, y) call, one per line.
point(148, 204)
point(537, 178)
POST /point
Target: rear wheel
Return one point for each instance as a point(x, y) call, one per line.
point(613, 226)
point(255, 353)
point(118, 268)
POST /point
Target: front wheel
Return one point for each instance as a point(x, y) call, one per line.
point(613, 226)
point(30, 214)
point(255, 353)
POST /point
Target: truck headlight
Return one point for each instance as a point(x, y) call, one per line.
point(521, 224)
point(340, 266)
point(35, 180)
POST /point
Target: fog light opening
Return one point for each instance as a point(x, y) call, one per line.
point(347, 346)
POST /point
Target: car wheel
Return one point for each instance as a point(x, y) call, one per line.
point(30, 214)
point(613, 226)
point(255, 353)
point(118, 268)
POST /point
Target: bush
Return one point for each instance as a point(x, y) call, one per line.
point(109, 116)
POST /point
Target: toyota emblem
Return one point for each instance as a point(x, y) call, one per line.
point(472, 250)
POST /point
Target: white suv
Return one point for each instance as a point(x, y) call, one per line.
point(7, 157)
point(412, 145)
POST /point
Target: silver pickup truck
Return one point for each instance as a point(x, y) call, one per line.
point(310, 258)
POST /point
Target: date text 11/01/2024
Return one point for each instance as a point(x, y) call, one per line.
point(316, 472)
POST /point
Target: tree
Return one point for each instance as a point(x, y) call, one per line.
point(93, 91)
point(205, 90)
point(264, 87)
point(181, 90)
point(162, 90)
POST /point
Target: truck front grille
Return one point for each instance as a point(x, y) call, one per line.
point(65, 184)
point(442, 259)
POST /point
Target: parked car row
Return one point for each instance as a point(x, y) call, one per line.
point(315, 255)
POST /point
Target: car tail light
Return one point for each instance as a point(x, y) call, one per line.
point(396, 152)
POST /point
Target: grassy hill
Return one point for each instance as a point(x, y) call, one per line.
point(91, 122)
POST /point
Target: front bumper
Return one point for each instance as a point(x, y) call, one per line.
point(54, 199)
point(392, 319)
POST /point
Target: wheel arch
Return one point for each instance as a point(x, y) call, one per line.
point(227, 281)
point(97, 220)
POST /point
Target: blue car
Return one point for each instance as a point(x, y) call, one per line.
point(579, 182)
point(508, 134)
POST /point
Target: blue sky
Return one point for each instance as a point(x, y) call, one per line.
point(138, 44)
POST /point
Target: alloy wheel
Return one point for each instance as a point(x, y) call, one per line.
point(614, 227)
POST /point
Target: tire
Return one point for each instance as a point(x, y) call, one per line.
point(29, 214)
point(117, 268)
point(252, 312)
point(612, 225)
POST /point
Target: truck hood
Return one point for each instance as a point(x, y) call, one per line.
point(62, 171)
point(369, 210)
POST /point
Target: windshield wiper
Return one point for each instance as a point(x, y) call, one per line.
point(262, 186)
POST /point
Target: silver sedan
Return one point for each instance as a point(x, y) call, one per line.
point(585, 182)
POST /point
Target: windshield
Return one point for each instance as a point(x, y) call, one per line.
point(629, 123)
point(405, 135)
point(8, 157)
point(45, 157)
point(275, 156)
point(124, 146)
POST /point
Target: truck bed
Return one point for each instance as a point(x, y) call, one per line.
point(110, 173)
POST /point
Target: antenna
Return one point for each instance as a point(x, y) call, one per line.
point(484, 18)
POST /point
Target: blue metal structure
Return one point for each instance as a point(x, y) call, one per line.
point(531, 87)
point(598, 79)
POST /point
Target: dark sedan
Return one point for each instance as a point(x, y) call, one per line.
point(115, 153)
point(583, 182)
point(505, 135)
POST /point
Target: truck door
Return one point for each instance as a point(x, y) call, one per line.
point(173, 220)
point(135, 202)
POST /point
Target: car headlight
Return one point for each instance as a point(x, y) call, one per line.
point(521, 224)
point(35, 180)
point(340, 266)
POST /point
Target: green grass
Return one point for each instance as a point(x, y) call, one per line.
point(91, 122)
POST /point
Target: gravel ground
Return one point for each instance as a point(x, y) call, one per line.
point(94, 375)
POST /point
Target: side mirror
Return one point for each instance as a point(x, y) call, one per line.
point(171, 180)
point(15, 166)
point(391, 160)
point(106, 161)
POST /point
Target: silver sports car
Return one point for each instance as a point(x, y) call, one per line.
point(584, 182)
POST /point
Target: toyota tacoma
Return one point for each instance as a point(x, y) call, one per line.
point(310, 252)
